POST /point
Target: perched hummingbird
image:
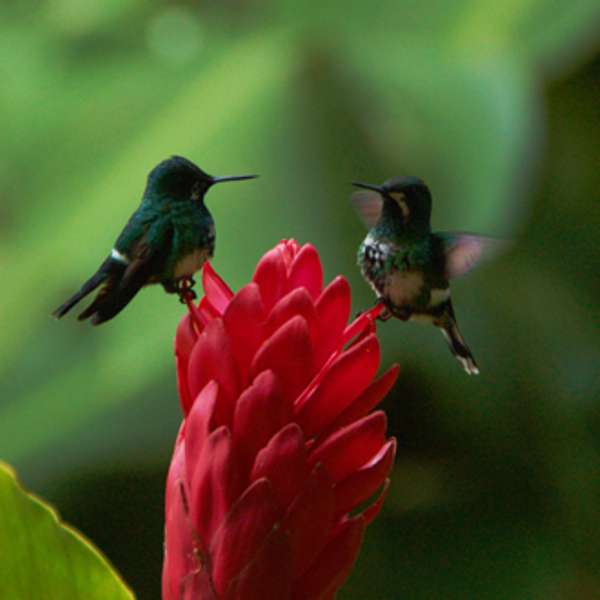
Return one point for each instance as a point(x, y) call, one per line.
point(407, 265)
point(166, 240)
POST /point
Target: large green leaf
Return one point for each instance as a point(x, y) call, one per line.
point(44, 559)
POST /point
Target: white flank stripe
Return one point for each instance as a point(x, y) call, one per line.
point(116, 255)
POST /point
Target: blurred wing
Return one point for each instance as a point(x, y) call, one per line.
point(464, 251)
point(368, 205)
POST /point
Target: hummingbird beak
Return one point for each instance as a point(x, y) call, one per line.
point(368, 186)
point(231, 178)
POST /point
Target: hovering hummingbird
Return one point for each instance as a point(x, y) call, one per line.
point(407, 265)
point(166, 240)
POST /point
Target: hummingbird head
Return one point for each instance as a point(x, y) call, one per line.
point(180, 179)
point(406, 199)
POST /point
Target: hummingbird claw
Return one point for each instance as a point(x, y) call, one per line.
point(186, 293)
point(403, 314)
point(386, 313)
point(186, 296)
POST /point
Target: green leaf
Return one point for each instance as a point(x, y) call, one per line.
point(43, 558)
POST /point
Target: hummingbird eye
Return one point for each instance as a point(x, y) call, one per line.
point(400, 199)
point(196, 191)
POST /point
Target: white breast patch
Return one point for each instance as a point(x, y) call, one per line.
point(190, 263)
point(403, 287)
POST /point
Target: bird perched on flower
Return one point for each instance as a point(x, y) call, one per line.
point(281, 461)
point(167, 239)
point(409, 266)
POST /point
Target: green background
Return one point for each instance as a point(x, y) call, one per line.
point(496, 492)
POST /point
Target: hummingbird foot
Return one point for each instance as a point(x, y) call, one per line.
point(389, 310)
point(185, 291)
point(402, 313)
point(383, 314)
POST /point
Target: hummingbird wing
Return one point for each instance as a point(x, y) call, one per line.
point(368, 205)
point(464, 251)
point(142, 250)
point(144, 262)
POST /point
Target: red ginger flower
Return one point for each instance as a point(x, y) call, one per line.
point(279, 448)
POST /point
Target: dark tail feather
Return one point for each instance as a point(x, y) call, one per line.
point(110, 301)
point(118, 291)
point(89, 286)
point(458, 347)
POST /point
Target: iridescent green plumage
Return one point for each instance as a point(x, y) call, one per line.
point(166, 240)
point(407, 265)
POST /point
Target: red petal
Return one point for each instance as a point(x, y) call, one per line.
point(179, 551)
point(306, 271)
point(289, 250)
point(260, 412)
point(296, 302)
point(309, 520)
point(212, 359)
point(362, 484)
point(368, 400)
point(244, 322)
point(362, 322)
point(376, 311)
point(288, 353)
point(200, 422)
point(215, 289)
point(347, 378)
point(369, 329)
point(185, 339)
point(271, 277)
point(371, 513)
point(333, 566)
point(333, 311)
point(238, 540)
point(214, 484)
point(196, 585)
point(182, 387)
point(207, 311)
point(268, 576)
point(350, 448)
point(283, 462)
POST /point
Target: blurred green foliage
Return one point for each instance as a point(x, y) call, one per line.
point(496, 492)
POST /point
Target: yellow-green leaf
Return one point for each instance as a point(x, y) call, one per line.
point(41, 558)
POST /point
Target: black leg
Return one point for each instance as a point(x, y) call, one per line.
point(184, 289)
point(403, 313)
point(170, 287)
point(400, 312)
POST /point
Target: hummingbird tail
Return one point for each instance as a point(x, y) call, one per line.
point(89, 286)
point(449, 328)
point(122, 283)
point(110, 301)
